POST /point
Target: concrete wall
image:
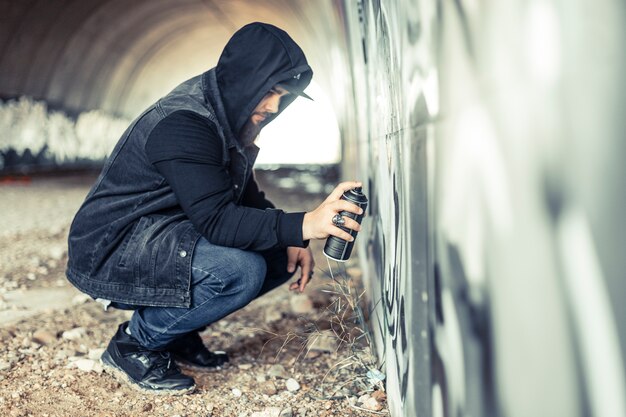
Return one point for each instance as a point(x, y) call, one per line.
point(119, 56)
point(115, 57)
point(490, 137)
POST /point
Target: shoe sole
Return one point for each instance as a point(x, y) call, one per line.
point(118, 373)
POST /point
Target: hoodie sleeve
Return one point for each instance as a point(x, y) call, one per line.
point(187, 151)
point(253, 197)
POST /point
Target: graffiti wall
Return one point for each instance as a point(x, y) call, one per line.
point(488, 135)
point(393, 64)
point(33, 135)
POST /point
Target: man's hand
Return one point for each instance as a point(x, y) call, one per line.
point(318, 223)
point(302, 257)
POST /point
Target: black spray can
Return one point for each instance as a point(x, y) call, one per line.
point(339, 249)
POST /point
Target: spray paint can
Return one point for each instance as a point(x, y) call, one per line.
point(339, 249)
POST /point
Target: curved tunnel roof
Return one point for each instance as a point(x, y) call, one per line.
point(119, 56)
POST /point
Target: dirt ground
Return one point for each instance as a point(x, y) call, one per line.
point(291, 355)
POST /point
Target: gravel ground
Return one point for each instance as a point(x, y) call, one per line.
point(291, 355)
point(33, 229)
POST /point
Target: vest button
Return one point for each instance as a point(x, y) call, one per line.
point(236, 186)
point(182, 253)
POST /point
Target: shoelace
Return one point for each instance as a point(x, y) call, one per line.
point(166, 355)
point(159, 361)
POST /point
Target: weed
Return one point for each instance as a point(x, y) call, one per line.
point(343, 320)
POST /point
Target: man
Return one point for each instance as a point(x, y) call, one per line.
point(175, 226)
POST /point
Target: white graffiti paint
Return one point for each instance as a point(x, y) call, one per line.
point(28, 125)
point(482, 126)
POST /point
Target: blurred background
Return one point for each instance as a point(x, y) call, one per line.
point(490, 136)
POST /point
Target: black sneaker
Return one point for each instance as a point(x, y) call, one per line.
point(190, 351)
point(146, 370)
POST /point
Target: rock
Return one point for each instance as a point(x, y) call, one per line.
point(95, 354)
point(86, 365)
point(268, 412)
point(272, 315)
point(363, 398)
point(269, 388)
point(64, 354)
point(379, 395)
point(278, 371)
point(44, 337)
point(75, 333)
point(244, 366)
point(375, 376)
point(301, 304)
point(311, 354)
point(287, 412)
point(292, 385)
point(98, 368)
point(324, 341)
point(26, 342)
point(237, 392)
point(273, 411)
point(79, 299)
point(57, 252)
point(372, 404)
point(5, 366)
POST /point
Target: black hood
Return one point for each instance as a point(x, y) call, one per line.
point(255, 59)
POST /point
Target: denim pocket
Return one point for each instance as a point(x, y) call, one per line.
point(129, 245)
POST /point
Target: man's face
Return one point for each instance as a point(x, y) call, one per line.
point(268, 105)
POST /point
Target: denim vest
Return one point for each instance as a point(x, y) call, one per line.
point(130, 241)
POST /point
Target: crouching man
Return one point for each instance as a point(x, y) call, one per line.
point(176, 228)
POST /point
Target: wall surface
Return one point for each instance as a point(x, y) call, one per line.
point(489, 136)
point(395, 89)
point(119, 56)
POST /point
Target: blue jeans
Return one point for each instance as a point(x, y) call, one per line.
point(223, 280)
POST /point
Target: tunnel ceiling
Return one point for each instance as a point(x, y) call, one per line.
point(119, 55)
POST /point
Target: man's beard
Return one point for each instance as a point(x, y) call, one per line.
point(249, 133)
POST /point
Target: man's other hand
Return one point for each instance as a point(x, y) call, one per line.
point(302, 257)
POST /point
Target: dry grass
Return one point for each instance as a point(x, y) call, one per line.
point(343, 318)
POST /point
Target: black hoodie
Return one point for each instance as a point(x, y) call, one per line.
point(186, 148)
point(255, 59)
